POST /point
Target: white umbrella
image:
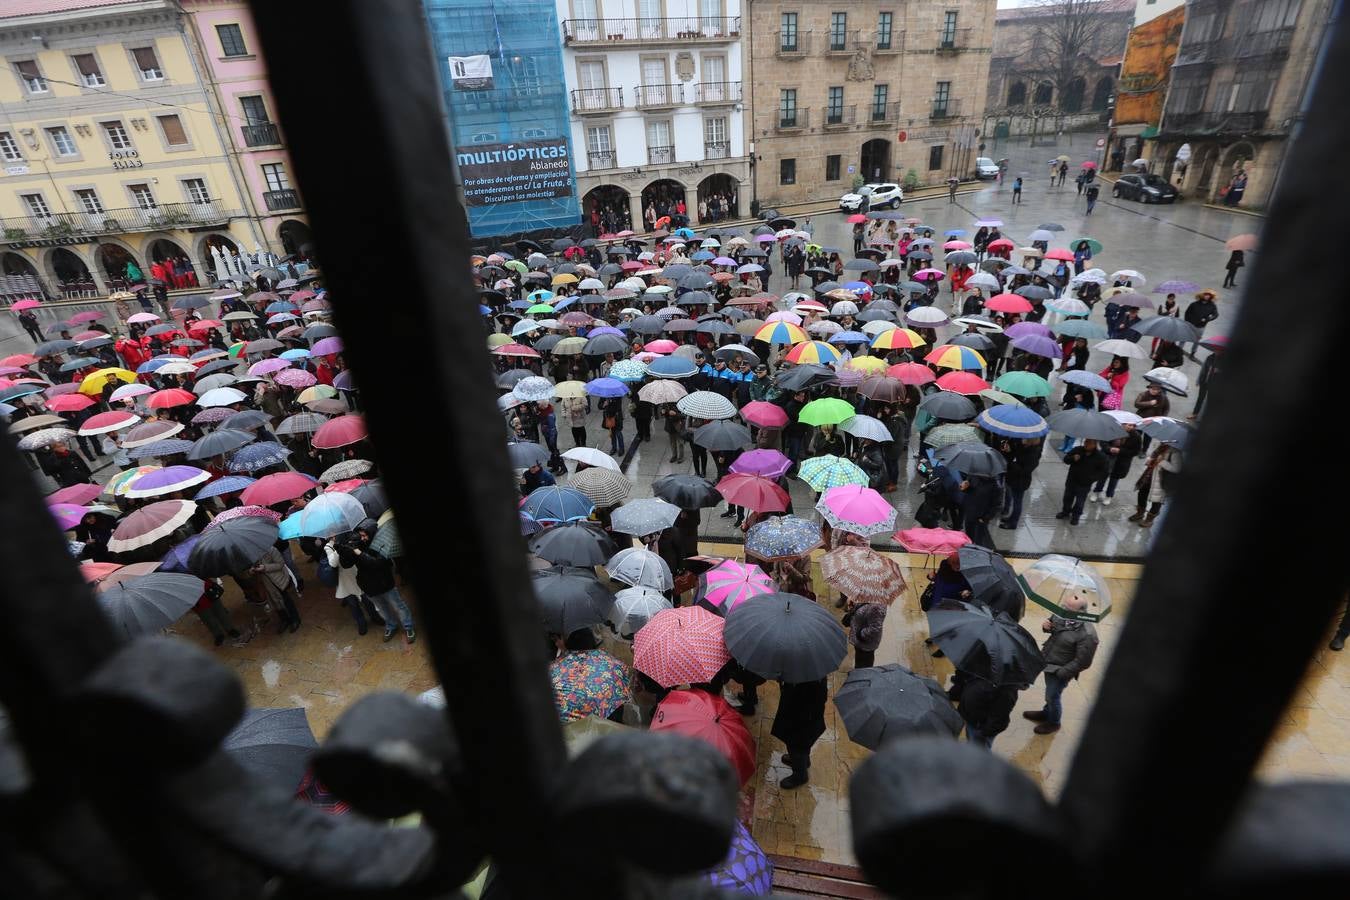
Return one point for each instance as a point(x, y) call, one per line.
point(648, 515)
point(634, 607)
point(524, 326)
point(637, 567)
point(825, 327)
point(1124, 417)
point(1118, 347)
point(663, 391)
point(878, 326)
point(706, 405)
point(844, 308)
point(221, 396)
point(983, 280)
point(592, 457)
point(1173, 381)
point(533, 388)
point(867, 428)
point(1129, 274)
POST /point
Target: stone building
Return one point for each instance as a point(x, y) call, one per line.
point(846, 92)
point(1237, 88)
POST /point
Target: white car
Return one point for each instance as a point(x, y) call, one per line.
point(872, 196)
point(985, 168)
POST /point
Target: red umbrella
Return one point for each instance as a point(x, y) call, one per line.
point(764, 414)
point(277, 488)
point(78, 494)
point(681, 646)
point(707, 717)
point(339, 432)
point(911, 373)
point(94, 572)
point(1008, 303)
point(754, 492)
point(69, 402)
point(169, 398)
point(856, 219)
point(345, 487)
point(967, 383)
point(1089, 164)
point(108, 421)
point(1060, 253)
point(204, 324)
point(1001, 244)
point(515, 350)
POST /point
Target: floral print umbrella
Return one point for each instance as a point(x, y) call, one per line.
point(589, 683)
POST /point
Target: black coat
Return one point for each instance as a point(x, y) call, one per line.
point(70, 469)
point(982, 499)
point(987, 707)
point(800, 719)
point(1086, 467)
point(1022, 461)
point(1129, 449)
point(1201, 312)
point(374, 573)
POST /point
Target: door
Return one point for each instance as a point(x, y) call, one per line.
point(591, 78)
point(650, 19)
point(655, 91)
point(586, 25)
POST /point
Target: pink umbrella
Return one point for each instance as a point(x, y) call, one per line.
point(67, 515)
point(24, 304)
point(79, 494)
point(662, 346)
point(139, 317)
point(69, 402)
point(764, 414)
point(858, 509)
point(339, 432)
point(277, 488)
point(62, 390)
point(938, 541)
point(314, 306)
point(929, 275)
point(730, 582)
point(327, 346)
point(91, 315)
point(956, 245)
point(13, 370)
point(150, 523)
point(239, 512)
point(784, 315)
point(295, 378)
point(268, 366)
point(766, 463)
point(108, 421)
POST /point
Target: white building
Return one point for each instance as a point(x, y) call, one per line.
point(658, 110)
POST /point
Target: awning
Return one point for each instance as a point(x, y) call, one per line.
point(1134, 129)
point(1150, 132)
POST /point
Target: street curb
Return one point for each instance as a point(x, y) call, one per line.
point(814, 207)
point(1234, 209)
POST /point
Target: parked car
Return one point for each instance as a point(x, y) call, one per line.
point(1148, 188)
point(872, 196)
point(986, 168)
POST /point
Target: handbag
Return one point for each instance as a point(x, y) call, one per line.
point(608, 422)
point(1112, 400)
point(926, 598)
point(685, 581)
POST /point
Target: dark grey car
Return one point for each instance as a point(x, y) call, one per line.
point(1148, 188)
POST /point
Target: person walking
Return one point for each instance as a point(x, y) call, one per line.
point(697, 452)
point(674, 422)
point(611, 408)
point(275, 580)
point(952, 185)
point(981, 499)
point(574, 408)
point(1152, 401)
point(1154, 485)
point(799, 723)
point(1017, 189)
point(864, 622)
point(1200, 313)
point(1068, 653)
point(347, 591)
point(1091, 192)
point(1120, 453)
point(1235, 261)
point(1087, 466)
point(213, 612)
point(1063, 172)
point(29, 322)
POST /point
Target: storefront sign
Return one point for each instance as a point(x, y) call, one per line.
point(512, 173)
point(16, 170)
point(125, 159)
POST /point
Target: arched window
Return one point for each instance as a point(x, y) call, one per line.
point(1017, 94)
point(1101, 94)
point(1072, 99)
point(1044, 91)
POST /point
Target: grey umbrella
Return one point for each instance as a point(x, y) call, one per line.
point(372, 499)
point(647, 325)
point(151, 602)
point(222, 440)
point(973, 340)
point(992, 581)
point(648, 515)
point(960, 258)
point(946, 405)
point(799, 378)
point(573, 544)
point(51, 348)
point(508, 379)
point(697, 281)
point(785, 637)
point(317, 331)
point(985, 644)
point(637, 567)
point(216, 365)
point(1168, 430)
point(225, 548)
point(972, 458)
point(607, 343)
point(723, 435)
point(1035, 292)
point(246, 420)
point(274, 744)
point(547, 342)
point(301, 423)
point(876, 315)
point(860, 265)
point(714, 326)
point(570, 598)
point(1168, 328)
point(524, 454)
point(686, 491)
point(884, 702)
point(1084, 423)
point(387, 541)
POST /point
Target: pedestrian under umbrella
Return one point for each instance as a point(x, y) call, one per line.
point(885, 702)
point(709, 718)
point(687, 491)
point(634, 607)
point(228, 547)
point(570, 599)
point(580, 544)
point(985, 644)
point(149, 603)
point(638, 567)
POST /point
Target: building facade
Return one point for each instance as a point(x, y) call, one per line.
point(1236, 92)
point(853, 92)
point(500, 64)
point(1150, 51)
point(656, 93)
point(112, 155)
point(237, 74)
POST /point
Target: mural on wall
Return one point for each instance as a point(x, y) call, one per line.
point(1149, 54)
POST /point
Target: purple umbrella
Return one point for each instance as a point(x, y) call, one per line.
point(166, 481)
point(67, 515)
point(724, 261)
point(1176, 287)
point(1024, 329)
point(176, 559)
point(765, 238)
point(746, 870)
point(327, 346)
point(606, 387)
point(605, 329)
point(226, 485)
point(343, 381)
point(766, 463)
point(1038, 345)
point(295, 378)
point(268, 366)
point(212, 416)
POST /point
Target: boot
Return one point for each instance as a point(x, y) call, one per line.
point(1136, 517)
point(1147, 521)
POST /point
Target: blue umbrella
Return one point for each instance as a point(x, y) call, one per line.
point(22, 390)
point(297, 353)
point(1012, 421)
point(671, 367)
point(1086, 379)
point(702, 255)
point(280, 306)
point(850, 337)
point(154, 365)
point(327, 515)
point(258, 456)
point(1080, 328)
point(484, 310)
point(557, 504)
point(954, 233)
point(227, 485)
point(177, 558)
point(628, 370)
point(607, 387)
point(782, 537)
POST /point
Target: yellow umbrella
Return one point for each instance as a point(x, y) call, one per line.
point(317, 392)
point(120, 483)
point(498, 340)
point(868, 364)
point(569, 390)
point(569, 346)
point(564, 278)
point(94, 382)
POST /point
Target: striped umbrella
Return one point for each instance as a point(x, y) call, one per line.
point(897, 339)
point(604, 487)
point(817, 352)
point(706, 405)
point(1012, 421)
point(858, 509)
point(954, 356)
point(780, 333)
point(150, 523)
point(730, 582)
point(824, 472)
point(863, 575)
point(943, 435)
point(301, 423)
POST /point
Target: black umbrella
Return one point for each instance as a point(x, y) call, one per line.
point(58, 327)
point(885, 702)
point(570, 598)
point(222, 440)
point(1086, 424)
point(547, 342)
point(647, 325)
point(947, 405)
point(372, 498)
point(508, 379)
point(195, 302)
point(785, 637)
point(1168, 328)
point(973, 340)
point(1051, 226)
point(819, 272)
point(972, 458)
point(164, 328)
point(676, 271)
point(876, 315)
point(151, 602)
point(574, 544)
point(754, 253)
point(992, 581)
point(607, 343)
point(912, 287)
point(687, 491)
point(217, 365)
point(562, 244)
point(695, 298)
point(781, 222)
point(765, 229)
point(246, 420)
point(860, 265)
point(921, 255)
point(274, 744)
point(714, 326)
point(723, 435)
point(608, 269)
point(826, 286)
point(320, 330)
point(698, 281)
point(524, 246)
point(1035, 292)
point(801, 377)
point(984, 644)
point(524, 454)
point(225, 548)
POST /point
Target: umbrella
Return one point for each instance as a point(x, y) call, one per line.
point(985, 644)
point(1168, 328)
point(387, 541)
point(574, 544)
point(687, 491)
point(523, 454)
point(591, 457)
point(785, 637)
point(1167, 430)
point(166, 481)
point(782, 537)
point(221, 486)
point(326, 516)
point(954, 356)
point(671, 367)
point(36, 440)
point(159, 449)
point(245, 512)
point(947, 405)
point(801, 377)
point(1023, 384)
point(863, 575)
point(722, 435)
point(638, 567)
point(1038, 345)
point(605, 487)
point(1079, 328)
point(230, 546)
point(885, 702)
point(274, 743)
point(857, 509)
point(222, 440)
point(729, 583)
point(552, 504)
point(933, 541)
point(1086, 379)
point(588, 683)
point(912, 374)
point(1012, 421)
point(943, 435)
point(301, 423)
point(824, 472)
point(768, 463)
point(648, 515)
point(277, 488)
point(149, 603)
point(1244, 242)
point(258, 456)
point(340, 432)
point(964, 383)
point(1067, 586)
point(706, 405)
point(150, 523)
point(972, 458)
point(754, 492)
point(709, 718)
point(747, 869)
point(77, 494)
point(606, 388)
point(826, 411)
point(221, 396)
point(67, 515)
point(570, 598)
point(681, 646)
point(664, 391)
point(992, 581)
point(1085, 423)
point(246, 420)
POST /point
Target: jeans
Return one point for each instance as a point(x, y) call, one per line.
point(1075, 495)
point(864, 659)
point(1012, 505)
point(393, 609)
point(1067, 444)
point(1054, 688)
point(975, 737)
point(1110, 484)
point(579, 436)
point(1090, 204)
point(616, 440)
point(893, 470)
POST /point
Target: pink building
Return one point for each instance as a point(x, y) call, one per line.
point(237, 75)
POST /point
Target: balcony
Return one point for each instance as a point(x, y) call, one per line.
point(1265, 43)
point(795, 45)
point(954, 40)
point(945, 109)
point(600, 159)
point(882, 114)
point(1209, 122)
point(701, 29)
point(655, 96)
point(263, 134)
point(660, 156)
point(281, 201)
point(792, 119)
point(59, 226)
point(715, 92)
point(894, 43)
point(1206, 51)
point(844, 41)
point(840, 116)
point(597, 100)
point(716, 149)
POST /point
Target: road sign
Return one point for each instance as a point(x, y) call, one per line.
point(1101, 142)
point(902, 137)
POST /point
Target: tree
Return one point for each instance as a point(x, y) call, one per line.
point(1067, 32)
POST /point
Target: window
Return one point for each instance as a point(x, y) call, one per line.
point(935, 157)
point(838, 30)
point(483, 137)
point(711, 13)
point(171, 127)
point(787, 108)
point(148, 63)
point(31, 77)
point(832, 168)
point(941, 96)
point(1187, 94)
point(1274, 14)
point(118, 139)
point(787, 33)
point(89, 201)
point(87, 66)
point(599, 147)
point(62, 143)
point(36, 206)
point(884, 30)
point(787, 171)
point(834, 109)
point(231, 40)
point(650, 15)
point(195, 190)
point(949, 29)
point(1249, 91)
point(277, 180)
point(142, 196)
point(1017, 93)
point(9, 148)
point(880, 94)
point(1044, 92)
point(714, 77)
point(660, 142)
point(255, 111)
point(715, 144)
point(533, 134)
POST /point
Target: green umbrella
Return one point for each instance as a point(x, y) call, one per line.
point(943, 435)
point(516, 265)
point(1068, 587)
point(1093, 243)
point(539, 308)
point(826, 411)
point(825, 472)
point(1023, 384)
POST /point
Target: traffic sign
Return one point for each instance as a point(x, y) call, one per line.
point(1101, 142)
point(902, 137)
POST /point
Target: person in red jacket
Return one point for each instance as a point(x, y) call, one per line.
point(131, 352)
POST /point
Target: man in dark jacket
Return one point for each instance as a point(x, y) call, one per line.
point(375, 578)
point(1087, 466)
point(66, 467)
point(1200, 313)
point(986, 709)
point(1023, 456)
point(1068, 653)
point(1120, 453)
point(981, 499)
point(799, 723)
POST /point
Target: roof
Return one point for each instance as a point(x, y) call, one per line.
point(14, 9)
point(1033, 12)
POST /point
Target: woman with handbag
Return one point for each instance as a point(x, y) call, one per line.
point(1118, 374)
point(611, 408)
point(1152, 486)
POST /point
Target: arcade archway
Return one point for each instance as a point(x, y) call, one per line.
point(69, 272)
point(296, 239)
point(171, 264)
point(719, 196)
point(122, 268)
point(665, 196)
point(606, 209)
point(876, 160)
point(224, 264)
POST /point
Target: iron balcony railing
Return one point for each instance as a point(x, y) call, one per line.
point(792, 119)
point(653, 95)
point(793, 44)
point(18, 229)
point(262, 134)
point(1265, 43)
point(1233, 122)
point(845, 41)
point(600, 159)
point(717, 92)
point(650, 31)
point(716, 149)
point(1205, 51)
point(883, 113)
point(945, 109)
point(893, 43)
point(840, 116)
point(597, 99)
point(954, 38)
point(277, 201)
point(660, 155)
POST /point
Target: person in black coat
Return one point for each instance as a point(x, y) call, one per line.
point(1087, 466)
point(986, 709)
point(1120, 452)
point(1023, 456)
point(981, 498)
point(66, 467)
point(799, 723)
